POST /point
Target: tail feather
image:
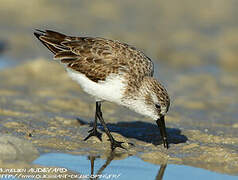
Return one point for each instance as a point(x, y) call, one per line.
point(50, 47)
point(55, 35)
point(55, 42)
point(52, 40)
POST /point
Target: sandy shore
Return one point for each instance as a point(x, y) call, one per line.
point(40, 104)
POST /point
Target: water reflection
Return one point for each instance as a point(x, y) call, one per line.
point(124, 167)
point(109, 159)
point(92, 160)
point(161, 172)
point(116, 165)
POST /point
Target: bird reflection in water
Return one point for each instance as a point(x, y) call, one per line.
point(109, 159)
point(160, 173)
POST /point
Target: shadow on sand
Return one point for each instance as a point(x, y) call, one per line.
point(143, 131)
point(147, 132)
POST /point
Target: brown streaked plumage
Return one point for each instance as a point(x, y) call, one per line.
point(97, 57)
point(112, 71)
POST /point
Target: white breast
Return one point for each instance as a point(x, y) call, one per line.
point(112, 89)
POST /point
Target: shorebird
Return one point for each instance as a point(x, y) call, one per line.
point(112, 71)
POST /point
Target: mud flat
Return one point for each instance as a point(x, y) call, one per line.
point(43, 107)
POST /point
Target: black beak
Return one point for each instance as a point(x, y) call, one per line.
point(161, 124)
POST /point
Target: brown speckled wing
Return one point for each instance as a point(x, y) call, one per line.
point(96, 57)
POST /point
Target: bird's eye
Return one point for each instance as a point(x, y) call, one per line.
point(157, 106)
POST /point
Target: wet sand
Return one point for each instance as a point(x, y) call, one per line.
point(41, 104)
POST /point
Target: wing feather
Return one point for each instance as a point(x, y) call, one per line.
point(96, 57)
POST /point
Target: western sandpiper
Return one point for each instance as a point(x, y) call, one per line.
point(110, 71)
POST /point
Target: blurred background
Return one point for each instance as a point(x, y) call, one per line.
point(184, 34)
point(194, 45)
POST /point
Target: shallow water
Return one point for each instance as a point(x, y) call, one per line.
point(131, 167)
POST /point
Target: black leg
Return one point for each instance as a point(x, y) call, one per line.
point(161, 124)
point(93, 131)
point(161, 172)
point(108, 161)
point(92, 159)
point(114, 143)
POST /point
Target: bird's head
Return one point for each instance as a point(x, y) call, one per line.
point(154, 99)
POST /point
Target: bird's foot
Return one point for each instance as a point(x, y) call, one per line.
point(115, 144)
point(94, 132)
